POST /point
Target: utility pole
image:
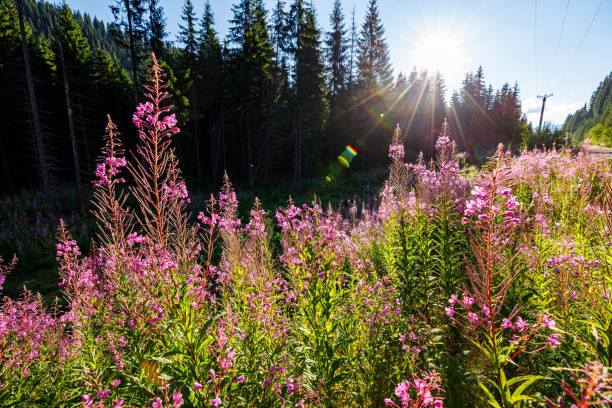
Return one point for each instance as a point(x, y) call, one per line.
point(543, 97)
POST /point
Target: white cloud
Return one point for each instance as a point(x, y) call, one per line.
point(555, 111)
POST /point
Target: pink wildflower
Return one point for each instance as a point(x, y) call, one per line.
point(473, 317)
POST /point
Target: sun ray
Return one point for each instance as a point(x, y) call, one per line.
point(441, 49)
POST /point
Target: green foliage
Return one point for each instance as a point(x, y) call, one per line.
point(600, 134)
point(409, 251)
point(325, 337)
point(547, 137)
point(373, 56)
point(593, 121)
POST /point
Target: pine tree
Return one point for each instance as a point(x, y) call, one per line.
point(188, 37)
point(11, 66)
point(112, 85)
point(210, 88)
point(157, 28)
point(129, 30)
point(373, 57)
point(438, 106)
point(352, 52)
point(279, 31)
point(401, 84)
point(336, 52)
point(40, 146)
point(187, 33)
point(308, 80)
point(74, 58)
point(75, 47)
point(251, 61)
point(506, 115)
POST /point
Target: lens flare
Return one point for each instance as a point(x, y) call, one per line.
point(344, 161)
point(345, 158)
point(351, 150)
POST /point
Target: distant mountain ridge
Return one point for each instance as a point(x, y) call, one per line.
point(595, 120)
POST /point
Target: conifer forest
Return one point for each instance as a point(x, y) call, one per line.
point(275, 215)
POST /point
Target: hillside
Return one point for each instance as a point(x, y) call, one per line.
point(595, 120)
point(44, 20)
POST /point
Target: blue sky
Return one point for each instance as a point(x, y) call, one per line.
point(503, 36)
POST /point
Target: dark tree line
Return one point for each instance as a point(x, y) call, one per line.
point(276, 99)
point(595, 120)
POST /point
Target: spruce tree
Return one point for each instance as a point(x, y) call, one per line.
point(187, 33)
point(112, 87)
point(11, 67)
point(157, 28)
point(74, 61)
point(506, 115)
point(75, 47)
point(38, 135)
point(373, 57)
point(279, 31)
point(336, 52)
point(352, 52)
point(129, 30)
point(209, 87)
point(308, 78)
point(188, 37)
point(251, 61)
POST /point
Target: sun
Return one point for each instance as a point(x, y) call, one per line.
point(441, 50)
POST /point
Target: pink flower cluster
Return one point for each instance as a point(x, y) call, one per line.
point(109, 168)
point(442, 181)
point(69, 248)
point(475, 313)
point(396, 151)
point(256, 227)
point(422, 395)
point(29, 337)
point(479, 205)
point(595, 384)
point(147, 112)
point(444, 144)
point(228, 206)
point(173, 191)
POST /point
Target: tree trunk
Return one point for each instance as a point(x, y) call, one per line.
point(5, 168)
point(75, 151)
point(298, 146)
point(88, 159)
point(248, 138)
point(40, 148)
point(222, 136)
point(263, 147)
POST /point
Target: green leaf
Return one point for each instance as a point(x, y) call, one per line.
point(492, 401)
point(527, 380)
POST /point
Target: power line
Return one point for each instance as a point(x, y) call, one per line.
point(554, 59)
point(535, 40)
point(586, 33)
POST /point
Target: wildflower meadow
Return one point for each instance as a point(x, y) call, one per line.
point(454, 290)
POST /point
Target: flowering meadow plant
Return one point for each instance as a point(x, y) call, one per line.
point(452, 292)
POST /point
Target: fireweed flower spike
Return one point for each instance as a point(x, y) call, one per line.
point(418, 392)
point(307, 307)
point(110, 210)
point(595, 388)
point(158, 182)
point(493, 214)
